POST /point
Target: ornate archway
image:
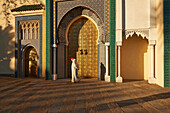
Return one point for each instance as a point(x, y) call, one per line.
point(77, 12)
point(63, 28)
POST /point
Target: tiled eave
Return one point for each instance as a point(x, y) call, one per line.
point(28, 8)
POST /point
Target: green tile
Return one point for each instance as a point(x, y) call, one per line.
point(112, 41)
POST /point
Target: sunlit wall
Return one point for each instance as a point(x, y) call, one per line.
point(7, 33)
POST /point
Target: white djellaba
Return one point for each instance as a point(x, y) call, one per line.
point(74, 70)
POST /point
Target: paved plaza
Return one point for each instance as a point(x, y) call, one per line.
point(31, 95)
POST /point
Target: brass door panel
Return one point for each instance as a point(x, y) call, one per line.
point(83, 36)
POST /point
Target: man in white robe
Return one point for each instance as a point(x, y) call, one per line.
point(74, 70)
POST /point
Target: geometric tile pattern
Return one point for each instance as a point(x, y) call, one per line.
point(76, 12)
point(112, 40)
point(48, 40)
point(54, 14)
point(64, 7)
point(166, 10)
point(101, 7)
point(106, 19)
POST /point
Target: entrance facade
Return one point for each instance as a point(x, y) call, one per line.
point(82, 45)
point(113, 23)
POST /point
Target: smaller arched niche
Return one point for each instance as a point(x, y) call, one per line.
point(30, 62)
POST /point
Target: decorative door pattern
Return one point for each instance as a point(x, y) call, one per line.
point(83, 36)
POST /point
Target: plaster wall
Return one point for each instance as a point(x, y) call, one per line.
point(7, 33)
point(159, 48)
point(137, 14)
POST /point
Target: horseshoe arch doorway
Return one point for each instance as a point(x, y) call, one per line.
point(82, 35)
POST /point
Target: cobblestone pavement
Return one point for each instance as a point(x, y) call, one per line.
point(88, 96)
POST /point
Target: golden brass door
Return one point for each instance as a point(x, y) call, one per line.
point(82, 37)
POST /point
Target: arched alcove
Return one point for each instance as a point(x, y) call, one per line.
point(134, 58)
point(30, 67)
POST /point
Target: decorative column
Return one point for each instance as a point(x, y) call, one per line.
point(23, 34)
point(107, 76)
point(119, 29)
point(48, 38)
point(112, 40)
point(152, 79)
point(31, 32)
point(54, 46)
point(54, 72)
point(118, 78)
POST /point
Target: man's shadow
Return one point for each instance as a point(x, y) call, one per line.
point(103, 71)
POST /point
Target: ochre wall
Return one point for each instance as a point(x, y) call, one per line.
point(7, 33)
point(159, 48)
point(134, 58)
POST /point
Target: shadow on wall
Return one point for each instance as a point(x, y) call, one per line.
point(103, 70)
point(7, 49)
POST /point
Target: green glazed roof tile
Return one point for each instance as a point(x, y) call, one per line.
point(28, 8)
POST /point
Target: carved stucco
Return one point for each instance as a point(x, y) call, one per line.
point(143, 33)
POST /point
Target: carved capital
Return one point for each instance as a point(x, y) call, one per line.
point(119, 43)
point(152, 42)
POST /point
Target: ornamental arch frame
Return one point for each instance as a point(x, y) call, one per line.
point(78, 12)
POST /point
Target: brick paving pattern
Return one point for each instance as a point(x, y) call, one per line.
point(88, 96)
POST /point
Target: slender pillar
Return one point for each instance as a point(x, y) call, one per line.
point(118, 78)
point(119, 29)
point(31, 33)
point(118, 61)
point(107, 60)
point(152, 61)
point(152, 78)
point(23, 34)
point(107, 76)
point(54, 72)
